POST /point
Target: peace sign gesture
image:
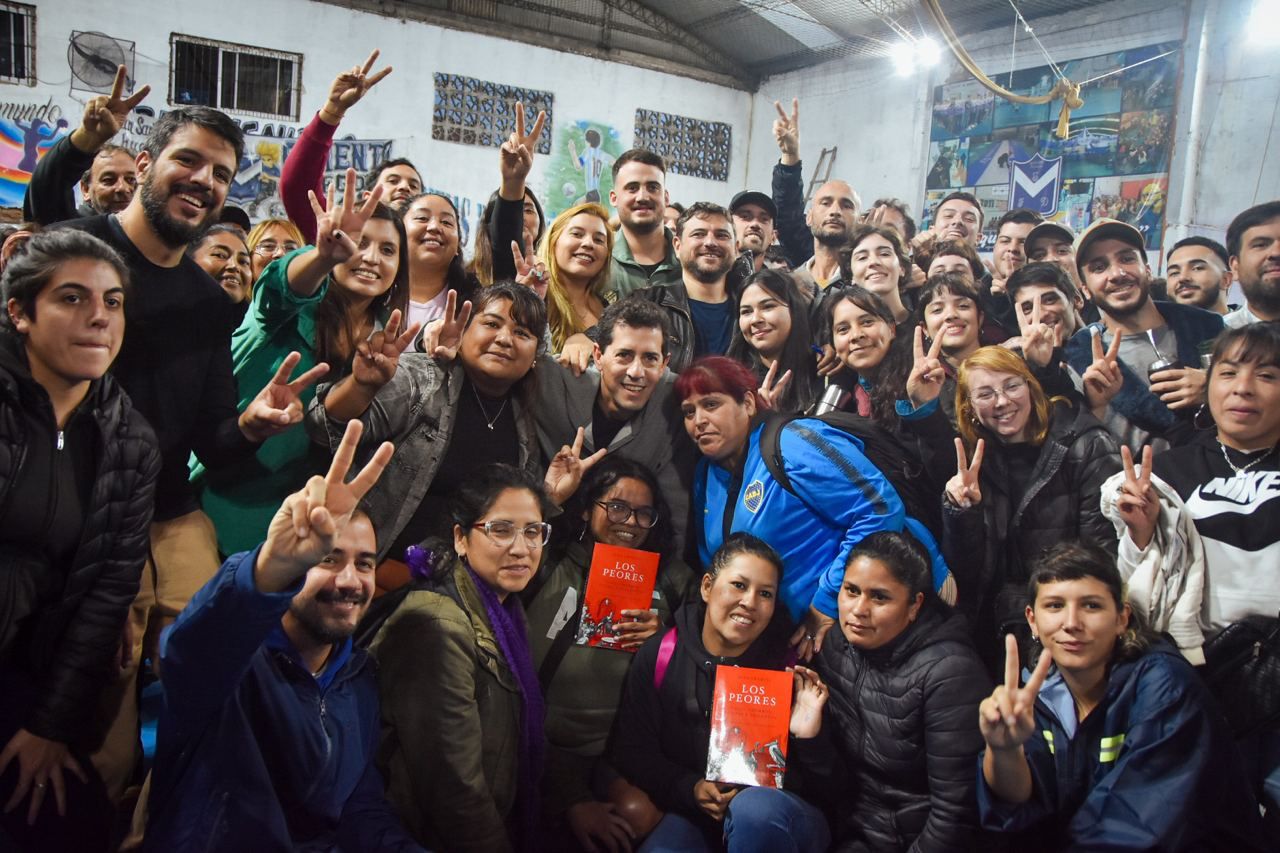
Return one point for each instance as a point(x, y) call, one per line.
point(303, 530)
point(350, 86)
point(377, 358)
point(278, 406)
point(962, 489)
point(769, 394)
point(1102, 379)
point(568, 468)
point(336, 225)
point(447, 335)
point(530, 271)
point(104, 116)
point(1137, 502)
point(786, 130)
point(517, 152)
point(927, 376)
point(1039, 339)
point(1007, 717)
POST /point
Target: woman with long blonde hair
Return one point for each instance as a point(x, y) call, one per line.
point(576, 251)
point(1029, 468)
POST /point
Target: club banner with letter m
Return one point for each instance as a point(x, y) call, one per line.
point(1035, 184)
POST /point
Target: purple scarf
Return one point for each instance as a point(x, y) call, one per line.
point(512, 635)
point(510, 631)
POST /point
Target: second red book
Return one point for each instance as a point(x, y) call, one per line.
point(619, 579)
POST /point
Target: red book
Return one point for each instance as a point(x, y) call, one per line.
point(619, 579)
point(750, 721)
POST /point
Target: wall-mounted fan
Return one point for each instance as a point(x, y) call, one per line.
point(93, 59)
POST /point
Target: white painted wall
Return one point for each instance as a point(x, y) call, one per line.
point(1228, 159)
point(880, 121)
point(332, 38)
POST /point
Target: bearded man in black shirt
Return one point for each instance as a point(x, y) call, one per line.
point(175, 365)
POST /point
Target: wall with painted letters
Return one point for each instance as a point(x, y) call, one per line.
point(397, 118)
point(1221, 155)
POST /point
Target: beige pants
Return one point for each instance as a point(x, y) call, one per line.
point(183, 557)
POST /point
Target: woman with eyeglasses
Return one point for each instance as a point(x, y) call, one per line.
point(1028, 473)
point(462, 713)
point(271, 239)
point(619, 503)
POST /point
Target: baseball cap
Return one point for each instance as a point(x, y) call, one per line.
point(232, 215)
point(1055, 230)
point(1113, 229)
point(754, 197)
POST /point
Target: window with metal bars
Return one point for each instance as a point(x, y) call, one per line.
point(234, 77)
point(17, 43)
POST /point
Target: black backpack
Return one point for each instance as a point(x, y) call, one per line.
point(900, 466)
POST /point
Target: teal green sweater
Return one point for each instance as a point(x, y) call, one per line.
point(242, 498)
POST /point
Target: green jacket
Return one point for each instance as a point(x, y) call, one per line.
point(242, 498)
point(627, 276)
point(583, 696)
point(450, 719)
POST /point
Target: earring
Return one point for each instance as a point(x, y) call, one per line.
point(1196, 420)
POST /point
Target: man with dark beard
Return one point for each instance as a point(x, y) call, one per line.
point(1156, 383)
point(831, 219)
point(1253, 242)
point(699, 306)
point(270, 718)
point(1199, 274)
point(645, 255)
point(175, 365)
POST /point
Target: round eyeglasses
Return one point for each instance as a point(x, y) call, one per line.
point(620, 512)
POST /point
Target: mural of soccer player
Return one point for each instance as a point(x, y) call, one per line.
point(592, 162)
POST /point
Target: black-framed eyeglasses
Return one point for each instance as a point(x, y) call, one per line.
point(503, 533)
point(620, 512)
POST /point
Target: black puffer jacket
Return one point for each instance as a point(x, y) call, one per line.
point(990, 547)
point(67, 646)
point(904, 721)
point(660, 736)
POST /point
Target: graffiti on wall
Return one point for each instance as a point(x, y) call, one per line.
point(27, 132)
point(581, 169)
point(1114, 161)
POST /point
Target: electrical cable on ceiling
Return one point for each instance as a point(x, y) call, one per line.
point(1066, 90)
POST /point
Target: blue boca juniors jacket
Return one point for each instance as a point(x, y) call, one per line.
point(835, 507)
point(253, 752)
point(1153, 767)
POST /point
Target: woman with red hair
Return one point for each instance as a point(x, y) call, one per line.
point(832, 499)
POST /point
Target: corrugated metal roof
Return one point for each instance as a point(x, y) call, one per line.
point(737, 42)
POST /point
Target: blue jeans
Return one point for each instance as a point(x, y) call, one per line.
point(1261, 753)
point(758, 819)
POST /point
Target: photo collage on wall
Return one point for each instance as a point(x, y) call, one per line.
point(1114, 161)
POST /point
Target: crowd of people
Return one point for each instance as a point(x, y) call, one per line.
point(335, 489)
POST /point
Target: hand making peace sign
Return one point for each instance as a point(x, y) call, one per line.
point(568, 468)
point(517, 152)
point(104, 116)
point(377, 358)
point(769, 394)
point(338, 228)
point(927, 376)
point(1007, 717)
point(530, 271)
point(278, 406)
point(303, 530)
point(786, 131)
point(1138, 503)
point(963, 489)
point(350, 86)
point(1102, 379)
point(1040, 339)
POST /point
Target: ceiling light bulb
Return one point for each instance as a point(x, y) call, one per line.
point(904, 59)
point(927, 52)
